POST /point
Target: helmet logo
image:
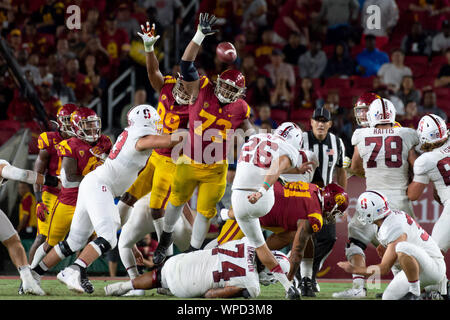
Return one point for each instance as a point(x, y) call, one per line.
point(339, 198)
point(364, 203)
point(163, 97)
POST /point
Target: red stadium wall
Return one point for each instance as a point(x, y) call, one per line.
point(427, 212)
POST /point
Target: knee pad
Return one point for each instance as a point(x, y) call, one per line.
point(63, 250)
point(354, 247)
point(101, 245)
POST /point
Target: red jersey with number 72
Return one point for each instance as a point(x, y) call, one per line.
point(173, 115)
point(294, 201)
point(88, 159)
point(256, 157)
point(385, 156)
point(210, 124)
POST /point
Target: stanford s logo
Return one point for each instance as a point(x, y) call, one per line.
point(104, 189)
point(364, 203)
point(146, 114)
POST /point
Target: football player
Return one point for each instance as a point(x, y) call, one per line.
point(140, 223)
point(228, 271)
point(215, 112)
point(79, 155)
point(385, 155)
point(9, 236)
point(262, 160)
point(434, 165)
point(48, 161)
point(403, 242)
point(95, 210)
point(173, 109)
point(300, 209)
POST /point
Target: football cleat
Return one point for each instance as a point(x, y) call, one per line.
point(117, 289)
point(306, 287)
point(165, 241)
point(36, 277)
point(315, 286)
point(351, 293)
point(410, 296)
point(31, 286)
point(293, 293)
point(71, 277)
point(134, 293)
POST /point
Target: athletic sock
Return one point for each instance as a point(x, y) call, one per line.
point(38, 256)
point(281, 277)
point(199, 230)
point(358, 281)
point(414, 287)
point(306, 268)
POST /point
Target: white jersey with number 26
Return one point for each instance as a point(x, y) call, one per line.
point(256, 157)
point(385, 156)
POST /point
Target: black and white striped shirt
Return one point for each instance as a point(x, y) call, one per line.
point(330, 152)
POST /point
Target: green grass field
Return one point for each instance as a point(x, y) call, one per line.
point(57, 291)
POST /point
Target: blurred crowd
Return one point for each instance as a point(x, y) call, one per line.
point(295, 54)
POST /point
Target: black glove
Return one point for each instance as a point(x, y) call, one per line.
point(205, 23)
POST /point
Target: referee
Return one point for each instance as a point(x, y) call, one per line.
point(330, 152)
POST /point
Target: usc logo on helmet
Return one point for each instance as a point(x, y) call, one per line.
point(339, 198)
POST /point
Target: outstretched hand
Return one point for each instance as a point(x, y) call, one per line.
point(205, 24)
point(148, 36)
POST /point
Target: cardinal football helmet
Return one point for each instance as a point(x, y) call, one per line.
point(381, 111)
point(86, 125)
point(371, 206)
point(291, 133)
point(63, 118)
point(266, 277)
point(179, 93)
point(361, 107)
point(230, 86)
point(335, 202)
point(432, 129)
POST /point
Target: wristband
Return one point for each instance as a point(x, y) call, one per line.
point(50, 181)
point(262, 190)
point(198, 37)
point(267, 184)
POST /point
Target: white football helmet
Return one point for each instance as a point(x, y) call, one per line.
point(146, 118)
point(381, 111)
point(266, 277)
point(432, 129)
point(291, 133)
point(371, 206)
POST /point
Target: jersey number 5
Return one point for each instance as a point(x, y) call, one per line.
point(393, 146)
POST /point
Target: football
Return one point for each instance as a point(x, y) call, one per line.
point(226, 52)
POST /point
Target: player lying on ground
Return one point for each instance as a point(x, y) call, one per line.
point(228, 271)
point(405, 244)
point(9, 236)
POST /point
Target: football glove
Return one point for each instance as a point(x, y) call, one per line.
point(346, 163)
point(204, 27)
point(41, 211)
point(148, 36)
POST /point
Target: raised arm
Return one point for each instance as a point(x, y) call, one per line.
point(188, 70)
point(154, 74)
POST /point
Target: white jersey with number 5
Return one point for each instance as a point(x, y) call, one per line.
point(124, 162)
point(398, 223)
point(385, 156)
point(256, 157)
point(435, 166)
point(190, 275)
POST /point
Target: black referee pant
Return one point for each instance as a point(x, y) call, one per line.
point(324, 241)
